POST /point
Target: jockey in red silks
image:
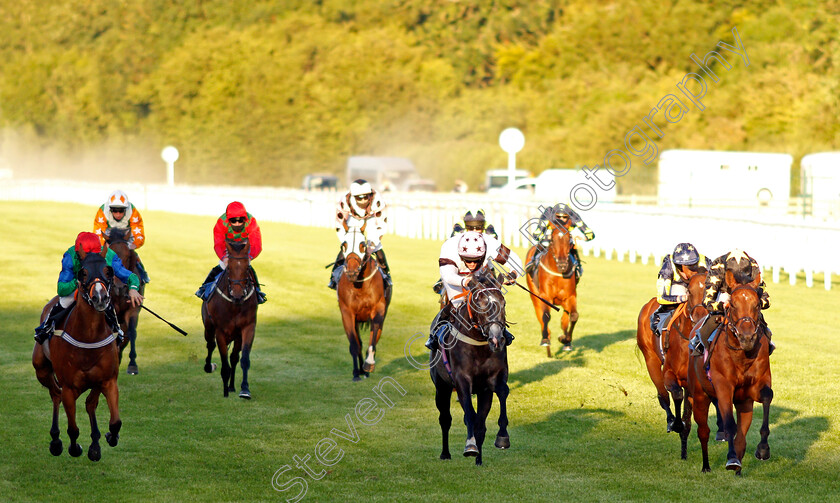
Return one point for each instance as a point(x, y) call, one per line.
point(71, 264)
point(235, 224)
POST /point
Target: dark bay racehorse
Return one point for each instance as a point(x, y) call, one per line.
point(554, 280)
point(474, 362)
point(230, 316)
point(363, 299)
point(738, 374)
point(81, 356)
point(126, 313)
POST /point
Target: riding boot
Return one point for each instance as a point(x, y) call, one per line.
point(438, 287)
point(45, 330)
point(380, 257)
point(260, 295)
point(339, 261)
point(207, 281)
point(703, 334)
point(144, 276)
point(578, 265)
point(440, 325)
point(531, 264)
point(508, 337)
point(114, 323)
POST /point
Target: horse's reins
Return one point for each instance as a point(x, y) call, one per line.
point(247, 283)
point(86, 295)
point(368, 257)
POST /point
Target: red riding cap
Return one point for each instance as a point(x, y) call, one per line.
point(88, 242)
point(236, 209)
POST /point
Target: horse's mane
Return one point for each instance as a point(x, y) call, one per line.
point(117, 235)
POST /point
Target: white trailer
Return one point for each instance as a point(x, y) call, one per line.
point(715, 179)
point(820, 184)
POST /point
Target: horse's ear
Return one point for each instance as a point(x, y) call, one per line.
point(362, 248)
point(109, 273)
point(344, 246)
point(730, 280)
point(104, 251)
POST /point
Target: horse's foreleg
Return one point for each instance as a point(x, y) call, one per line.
point(721, 434)
point(670, 381)
point(700, 408)
point(349, 322)
point(484, 402)
point(131, 333)
point(762, 452)
point(210, 337)
point(245, 362)
point(745, 413)
point(568, 321)
point(112, 397)
point(55, 443)
point(68, 399)
point(686, 420)
point(443, 397)
point(465, 398)
point(502, 438)
point(724, 393)
point(94, 453)
point(223, 355)
point(234, 360)
point(375, 334)
point(543, 317)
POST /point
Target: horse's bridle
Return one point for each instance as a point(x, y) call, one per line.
point(483, 328)
point(247, 285)
point(87, 291)
point(363, 263)
point(563, 271)
point(734, 323)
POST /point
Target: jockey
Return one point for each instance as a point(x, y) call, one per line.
point(461, 257)
point(561, 214)
point(119, 213)
point(472, 222)
point(672, 282)
point(71, 264)
point(361, 208)
point(744, 270)
point(235, 224)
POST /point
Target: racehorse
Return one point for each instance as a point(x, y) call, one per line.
point(230, 315)
point(82, 355)
point(738, 373)
point(363, 299)
point(554, 280)
point(666, 357)
point(126, 313)
point(473, 361)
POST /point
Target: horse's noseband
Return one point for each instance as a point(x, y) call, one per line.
point(484, 327)
point(87, 293)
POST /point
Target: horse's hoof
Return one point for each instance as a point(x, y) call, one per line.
point(225, 392)
point(94, 453)
point(733, 464)
point(470, 450)
point(232, 388)
point(762, 452)
point(567, 347)
point(545, 342)
point(445, 455)
point(368, 368)
point(720, 436)
point(209, 367)
point(502, 442)
point(56, 447)
point(112, 439)
point(245, 394)
point(132, 369)
point(75, 450)
point(356, 378)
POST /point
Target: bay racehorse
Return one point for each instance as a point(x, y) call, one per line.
point(230, 316)
point(675, 338)
point(554, 280)
point(363, 300)
point(82, 355)
point(473, 361)
point(738, 374)
point(127, 314)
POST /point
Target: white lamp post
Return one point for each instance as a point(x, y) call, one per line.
point(511, 140)
point(170, 155)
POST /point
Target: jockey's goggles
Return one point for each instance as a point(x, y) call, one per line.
point(237, 220)
point(476, 260)
point(117, 209)
point(362, 197)
point(474, 227)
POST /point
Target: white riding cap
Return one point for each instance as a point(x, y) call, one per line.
point(472, 245)
point(118, 199)
point(360, 187)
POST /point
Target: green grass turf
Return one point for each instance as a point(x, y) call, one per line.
point(584, 425)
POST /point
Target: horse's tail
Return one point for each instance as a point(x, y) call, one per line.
point(362, 326)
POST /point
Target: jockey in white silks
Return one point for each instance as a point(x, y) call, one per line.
point(363, 210)
point(462, 256)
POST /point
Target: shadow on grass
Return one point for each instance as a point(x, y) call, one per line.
point(544, 369)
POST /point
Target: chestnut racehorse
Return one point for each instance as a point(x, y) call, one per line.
point(82, 355)
point(230, 316)
point(363, 299)
point(738, 374)
point(126, 313)
point(554, 280)
point(474, 362)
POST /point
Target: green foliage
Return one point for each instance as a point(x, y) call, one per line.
point(264, 92)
